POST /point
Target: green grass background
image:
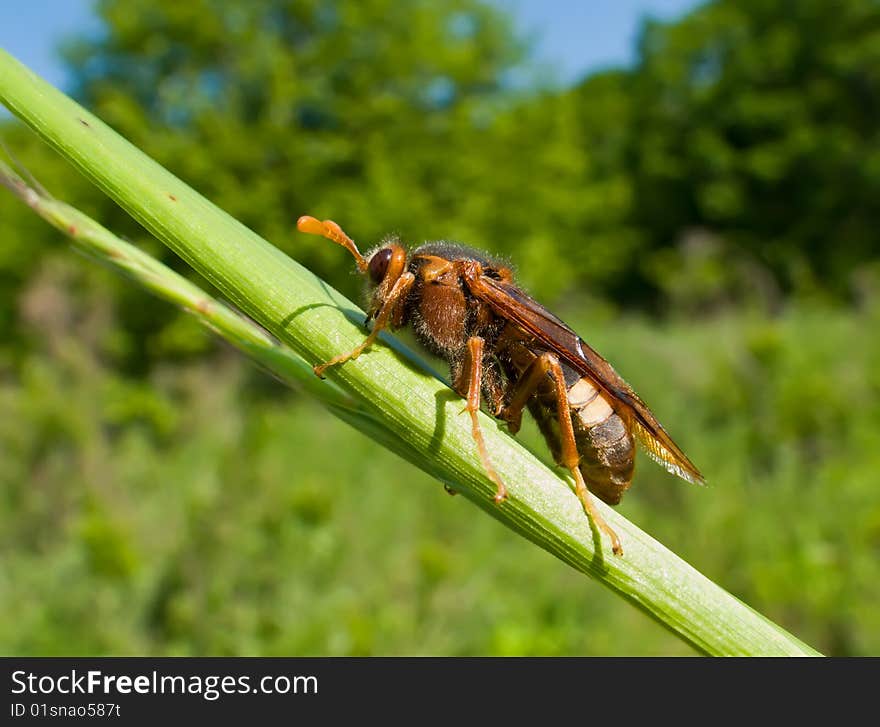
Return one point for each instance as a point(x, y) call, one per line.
point(208, 510)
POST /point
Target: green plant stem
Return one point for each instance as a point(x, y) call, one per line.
point(98, 242)
point(418, 416)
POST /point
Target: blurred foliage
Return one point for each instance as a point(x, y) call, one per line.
point(161, 497)
point(736, 163)
point(757, 119)
point(188, 514)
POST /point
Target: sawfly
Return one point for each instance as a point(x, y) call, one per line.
point(507, 350)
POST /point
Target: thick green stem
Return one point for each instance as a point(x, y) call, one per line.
point(98, 242)
point(418, 416)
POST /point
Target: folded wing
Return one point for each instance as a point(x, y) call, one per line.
point(513, 304)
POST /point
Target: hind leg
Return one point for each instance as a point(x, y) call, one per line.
point(569, 456)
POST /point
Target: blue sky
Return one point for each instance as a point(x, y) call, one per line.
point(572, 36)
point(578, 36)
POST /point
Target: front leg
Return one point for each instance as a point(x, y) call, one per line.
point(394, 301)
point(469, 383)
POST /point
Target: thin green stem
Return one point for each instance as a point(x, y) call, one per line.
point(98, 242)
point(416, 415)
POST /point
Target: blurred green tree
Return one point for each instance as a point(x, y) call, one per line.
point(757, 121)
point(739, 158)
point(347, 108)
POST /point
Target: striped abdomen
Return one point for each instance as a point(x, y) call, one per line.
point(604, 442)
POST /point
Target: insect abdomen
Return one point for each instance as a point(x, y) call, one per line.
point(604, 442)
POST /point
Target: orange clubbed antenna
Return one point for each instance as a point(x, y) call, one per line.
point(332, 231)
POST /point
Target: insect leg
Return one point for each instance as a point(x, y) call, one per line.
point(395, 298)
point(569, 457)
point(472, 373)
point(522, 391)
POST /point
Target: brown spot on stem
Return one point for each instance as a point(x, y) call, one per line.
point(84, 123)
point(71, 229)
point(172, 197)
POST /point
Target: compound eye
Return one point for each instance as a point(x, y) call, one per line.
point(379, 265)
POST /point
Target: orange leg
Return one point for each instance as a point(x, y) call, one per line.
point(532, 377)
point(522, 391)
point(473, 374)
point(395, 298)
